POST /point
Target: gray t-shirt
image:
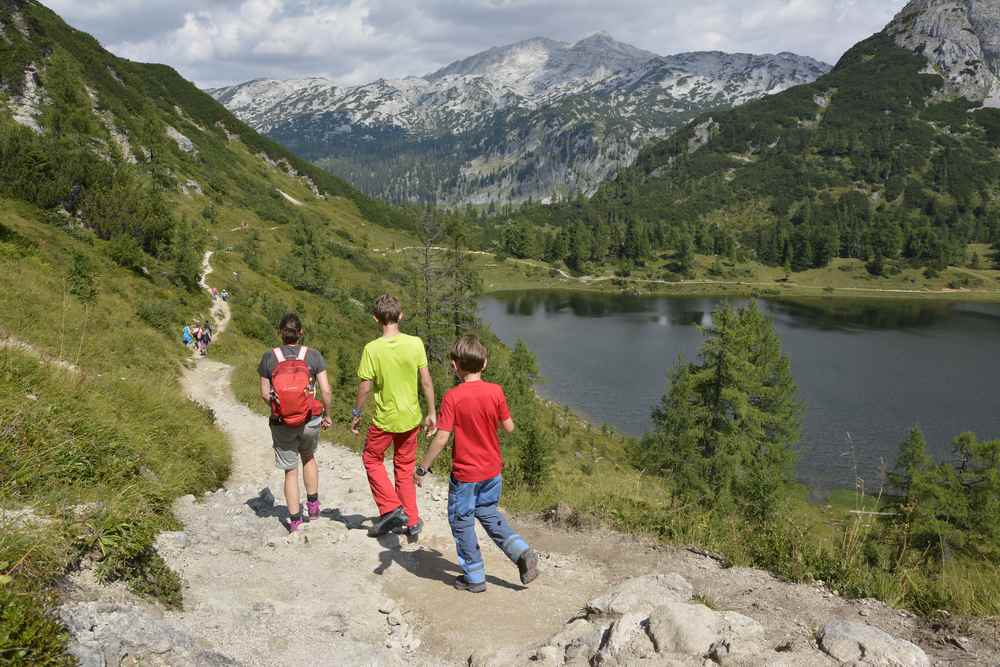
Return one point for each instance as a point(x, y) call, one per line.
point(314, 360)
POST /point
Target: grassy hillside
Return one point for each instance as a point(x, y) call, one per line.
point(116, 178)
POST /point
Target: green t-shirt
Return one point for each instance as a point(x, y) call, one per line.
point(392, 365)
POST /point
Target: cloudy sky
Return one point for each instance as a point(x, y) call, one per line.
point(218, 42)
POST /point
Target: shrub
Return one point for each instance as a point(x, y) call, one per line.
point(163, 316)
point(125, 251)
point(29, 633)
point(80, 278)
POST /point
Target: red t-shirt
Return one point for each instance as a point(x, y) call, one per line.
point(473, 411)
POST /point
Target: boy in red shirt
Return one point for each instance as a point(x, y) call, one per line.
point(473, 410)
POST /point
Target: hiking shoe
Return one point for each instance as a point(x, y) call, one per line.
point(527, 565)
point(294, 525)
point(411, 532)
point(388, 522)
point(463, 585)
point(313, 509)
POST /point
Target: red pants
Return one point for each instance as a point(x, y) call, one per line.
point(404, 459)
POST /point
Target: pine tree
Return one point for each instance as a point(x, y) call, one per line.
point(448, 285)
point(725, 429)
point(911, 461)
point(534, 454)
point(462, 285)
point(532, 444)
point(876, 267)
point(305, 266)
point(684, 257)
point(346, 370)
point(185, 256)
point(673, 446)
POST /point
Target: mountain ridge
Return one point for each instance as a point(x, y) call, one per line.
point(534, 119)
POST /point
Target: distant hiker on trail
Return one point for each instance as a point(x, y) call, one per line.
point(186, 336)
point(203, 338)
point(196, 336)
point(391, 365)
point(473, 411)
point(288, 378)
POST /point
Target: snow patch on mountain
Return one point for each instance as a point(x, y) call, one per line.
point(530, 119)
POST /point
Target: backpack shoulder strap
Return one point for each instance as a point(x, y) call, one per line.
point(303, 351)
point(279, 355)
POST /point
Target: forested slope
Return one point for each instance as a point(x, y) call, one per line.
point(871, 161)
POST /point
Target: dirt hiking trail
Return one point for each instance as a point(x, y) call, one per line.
point(330, 595)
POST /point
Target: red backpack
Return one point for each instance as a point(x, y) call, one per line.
point(292, 399)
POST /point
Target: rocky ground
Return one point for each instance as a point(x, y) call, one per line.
point(333, 596)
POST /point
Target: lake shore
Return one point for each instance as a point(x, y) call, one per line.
point(745, 290)
point(842, 279)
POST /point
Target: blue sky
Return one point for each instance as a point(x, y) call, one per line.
point(216, 42)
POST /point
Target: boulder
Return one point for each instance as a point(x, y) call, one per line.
point(183, 143)
point(694, 629)
point(862, 644)
point(627, 642)
point(642, 594)
point(107, 633)
point(586, 643)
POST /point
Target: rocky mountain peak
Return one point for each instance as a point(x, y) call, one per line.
point(539, 65)
point(530, 51)
point(960, 40)
point(603, 97)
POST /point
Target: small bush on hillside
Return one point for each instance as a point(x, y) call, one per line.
point(162, 316)
point(19, 246)
point(80, 279)
point(256, 327)
point(148, 575)
point(29, 634)
point(125, 251)
point(249, 248)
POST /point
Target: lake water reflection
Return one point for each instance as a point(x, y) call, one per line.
point(867, 370)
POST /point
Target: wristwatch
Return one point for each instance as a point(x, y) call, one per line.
point(421, 471)
point(356, 412)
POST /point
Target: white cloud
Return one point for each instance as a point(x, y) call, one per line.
point(353, 41)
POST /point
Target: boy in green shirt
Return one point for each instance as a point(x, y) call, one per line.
point(391, 366)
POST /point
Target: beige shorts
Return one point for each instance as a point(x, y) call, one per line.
point(291, 444)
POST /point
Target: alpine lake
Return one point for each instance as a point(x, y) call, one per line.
point(867, 369)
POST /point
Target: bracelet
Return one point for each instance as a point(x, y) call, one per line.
point(421, 471)
point(356, 412)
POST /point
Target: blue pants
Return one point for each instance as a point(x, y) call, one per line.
point(468, 501)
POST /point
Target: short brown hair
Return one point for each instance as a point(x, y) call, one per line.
point(469, 354)
point(387, 309)
point(290, 329)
